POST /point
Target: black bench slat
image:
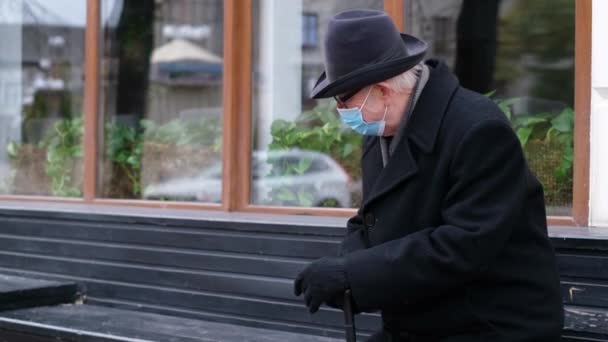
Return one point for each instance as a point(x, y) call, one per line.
point(225, 261)
point(586, 292)
point(301, 246)
point(588, 320)
point(21, 292)
point(97, 323)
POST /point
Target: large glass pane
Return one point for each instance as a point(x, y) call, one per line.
point(162, 100)
point(41, 96)
point(521, 53)
point(303, 155)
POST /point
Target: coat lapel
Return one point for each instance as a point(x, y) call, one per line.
point(399, 168)
point(421, 131)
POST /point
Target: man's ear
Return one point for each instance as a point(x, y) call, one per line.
point(385, 90)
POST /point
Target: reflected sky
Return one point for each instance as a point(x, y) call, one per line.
point(51, 12)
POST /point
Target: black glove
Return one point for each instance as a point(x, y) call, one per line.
point(321, 281)
point(337, 302)
point(354, 241)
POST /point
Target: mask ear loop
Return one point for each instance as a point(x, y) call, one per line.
point(363, 104)
point(366, 96)
point(384, 120)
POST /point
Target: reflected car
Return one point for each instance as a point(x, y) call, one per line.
point(288, 177)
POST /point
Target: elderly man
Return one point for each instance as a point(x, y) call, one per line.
point(450, 243)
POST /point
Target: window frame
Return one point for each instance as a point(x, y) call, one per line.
point(309, 18)
point(237, 121)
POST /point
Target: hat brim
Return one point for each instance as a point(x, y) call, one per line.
point(373, 73)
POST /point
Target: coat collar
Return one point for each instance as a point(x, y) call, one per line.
point(422, 130)
point(434, 100)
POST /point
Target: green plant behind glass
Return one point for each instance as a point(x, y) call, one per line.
point(548, 143)
point(547, 127)
point(320, 130)
point(124, 148)
point(63, 156)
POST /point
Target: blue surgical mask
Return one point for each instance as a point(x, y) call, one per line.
point(353, 118)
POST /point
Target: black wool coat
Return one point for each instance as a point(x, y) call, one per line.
point(450, 243)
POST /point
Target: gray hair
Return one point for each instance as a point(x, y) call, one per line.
point(405, 81)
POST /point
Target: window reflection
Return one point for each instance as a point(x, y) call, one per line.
point(321, 162)
point(521, 53)
point(41, 97)
point(162, 76)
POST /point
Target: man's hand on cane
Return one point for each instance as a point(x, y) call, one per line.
point(323, 281)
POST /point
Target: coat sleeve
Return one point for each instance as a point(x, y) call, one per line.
point(488, 176)
point(356, 238)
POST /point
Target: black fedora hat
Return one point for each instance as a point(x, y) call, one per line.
point(364, 47)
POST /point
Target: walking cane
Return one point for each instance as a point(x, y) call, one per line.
point(349, 318)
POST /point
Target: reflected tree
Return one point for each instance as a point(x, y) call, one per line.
point(537, 38)
point(135, 32)
point(477, 44)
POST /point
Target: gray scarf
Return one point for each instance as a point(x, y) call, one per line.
point(388, 148)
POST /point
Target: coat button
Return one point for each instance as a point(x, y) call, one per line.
point(370, 220)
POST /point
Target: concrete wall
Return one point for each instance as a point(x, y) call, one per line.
point(598, 186)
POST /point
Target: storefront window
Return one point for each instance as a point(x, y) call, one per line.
point(302, 154)
point(521, 54)
point(161, 100)
point(41, 97)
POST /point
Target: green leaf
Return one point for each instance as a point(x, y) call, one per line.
point(303, 166)
point(305, 198)
point(564, 122)
point(510, 101)
point(279, 126)
point(490, 94)
point(133, 160)
point(552, 133)
point(506, 111)
point(12, 149)
point(527, 121)
point(505, 106)
point(286, 195)
point(523, 134)
point(78, 152)
point(122, 157)
point(326, 128)
point(347, 150)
